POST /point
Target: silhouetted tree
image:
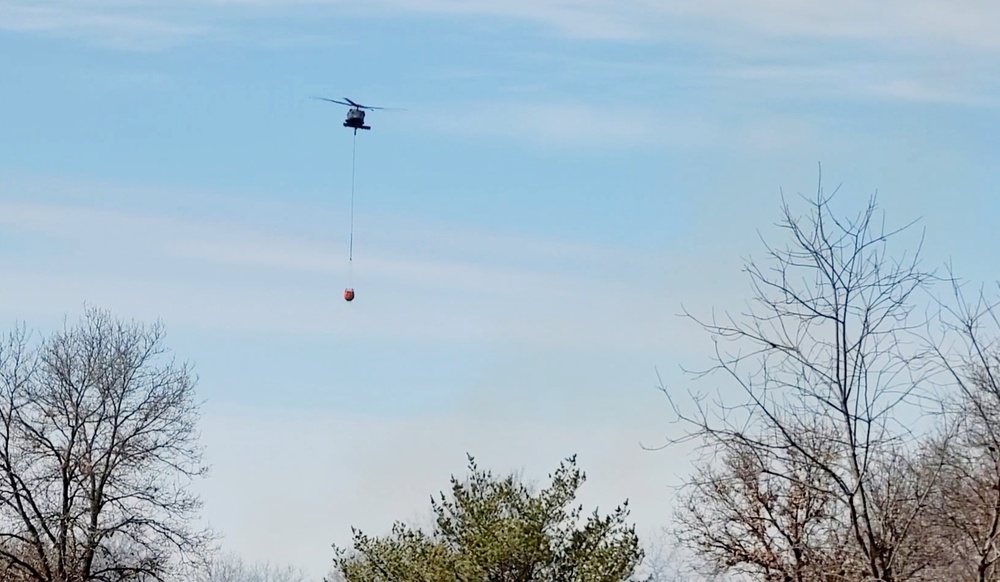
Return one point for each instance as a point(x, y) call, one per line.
point(811, 473)
point(965, 520)
point(97, 445)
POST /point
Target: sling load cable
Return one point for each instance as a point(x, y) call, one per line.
point(349, 292)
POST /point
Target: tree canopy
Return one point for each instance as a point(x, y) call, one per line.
point(492, 529)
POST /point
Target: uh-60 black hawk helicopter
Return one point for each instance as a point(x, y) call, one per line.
point(356, 114)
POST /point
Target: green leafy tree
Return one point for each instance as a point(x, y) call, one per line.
point(498, 530)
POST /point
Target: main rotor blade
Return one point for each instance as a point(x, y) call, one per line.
point(334, 101)
point(360, 106)
point(351, 103)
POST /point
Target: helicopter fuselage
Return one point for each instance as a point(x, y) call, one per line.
point(356, 119)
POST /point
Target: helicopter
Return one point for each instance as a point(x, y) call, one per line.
point(355, 115)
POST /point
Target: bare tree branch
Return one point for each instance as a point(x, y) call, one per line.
point(98, 445)
point(827, 386)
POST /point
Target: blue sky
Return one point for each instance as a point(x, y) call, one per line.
point(566, 174)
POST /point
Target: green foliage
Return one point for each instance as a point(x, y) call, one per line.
point(497, 530)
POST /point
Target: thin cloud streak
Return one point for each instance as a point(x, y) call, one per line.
point(112, 24)
point(966, 24)
point(459, 253)
point(223, 277)
point(582, 126)
point(925, 82)
point(609, 318)
point(929, 51)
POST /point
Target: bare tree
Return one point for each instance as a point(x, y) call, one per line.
point(826, 390)
point(98, 442)
point(231, 568)
point(769, 518)
point(665, 561)
point(966, 517)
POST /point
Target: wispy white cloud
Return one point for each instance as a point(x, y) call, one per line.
point(924, 82)
point(578, 125)
point(935, 51)
point(229, 277)
point(447, 252)
point(956, 23)
point(553, 124)
point(962, 23)
point(119, 24)
point(917, 91)
point(965, 23)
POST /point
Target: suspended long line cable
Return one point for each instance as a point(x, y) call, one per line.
point(350, 251)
